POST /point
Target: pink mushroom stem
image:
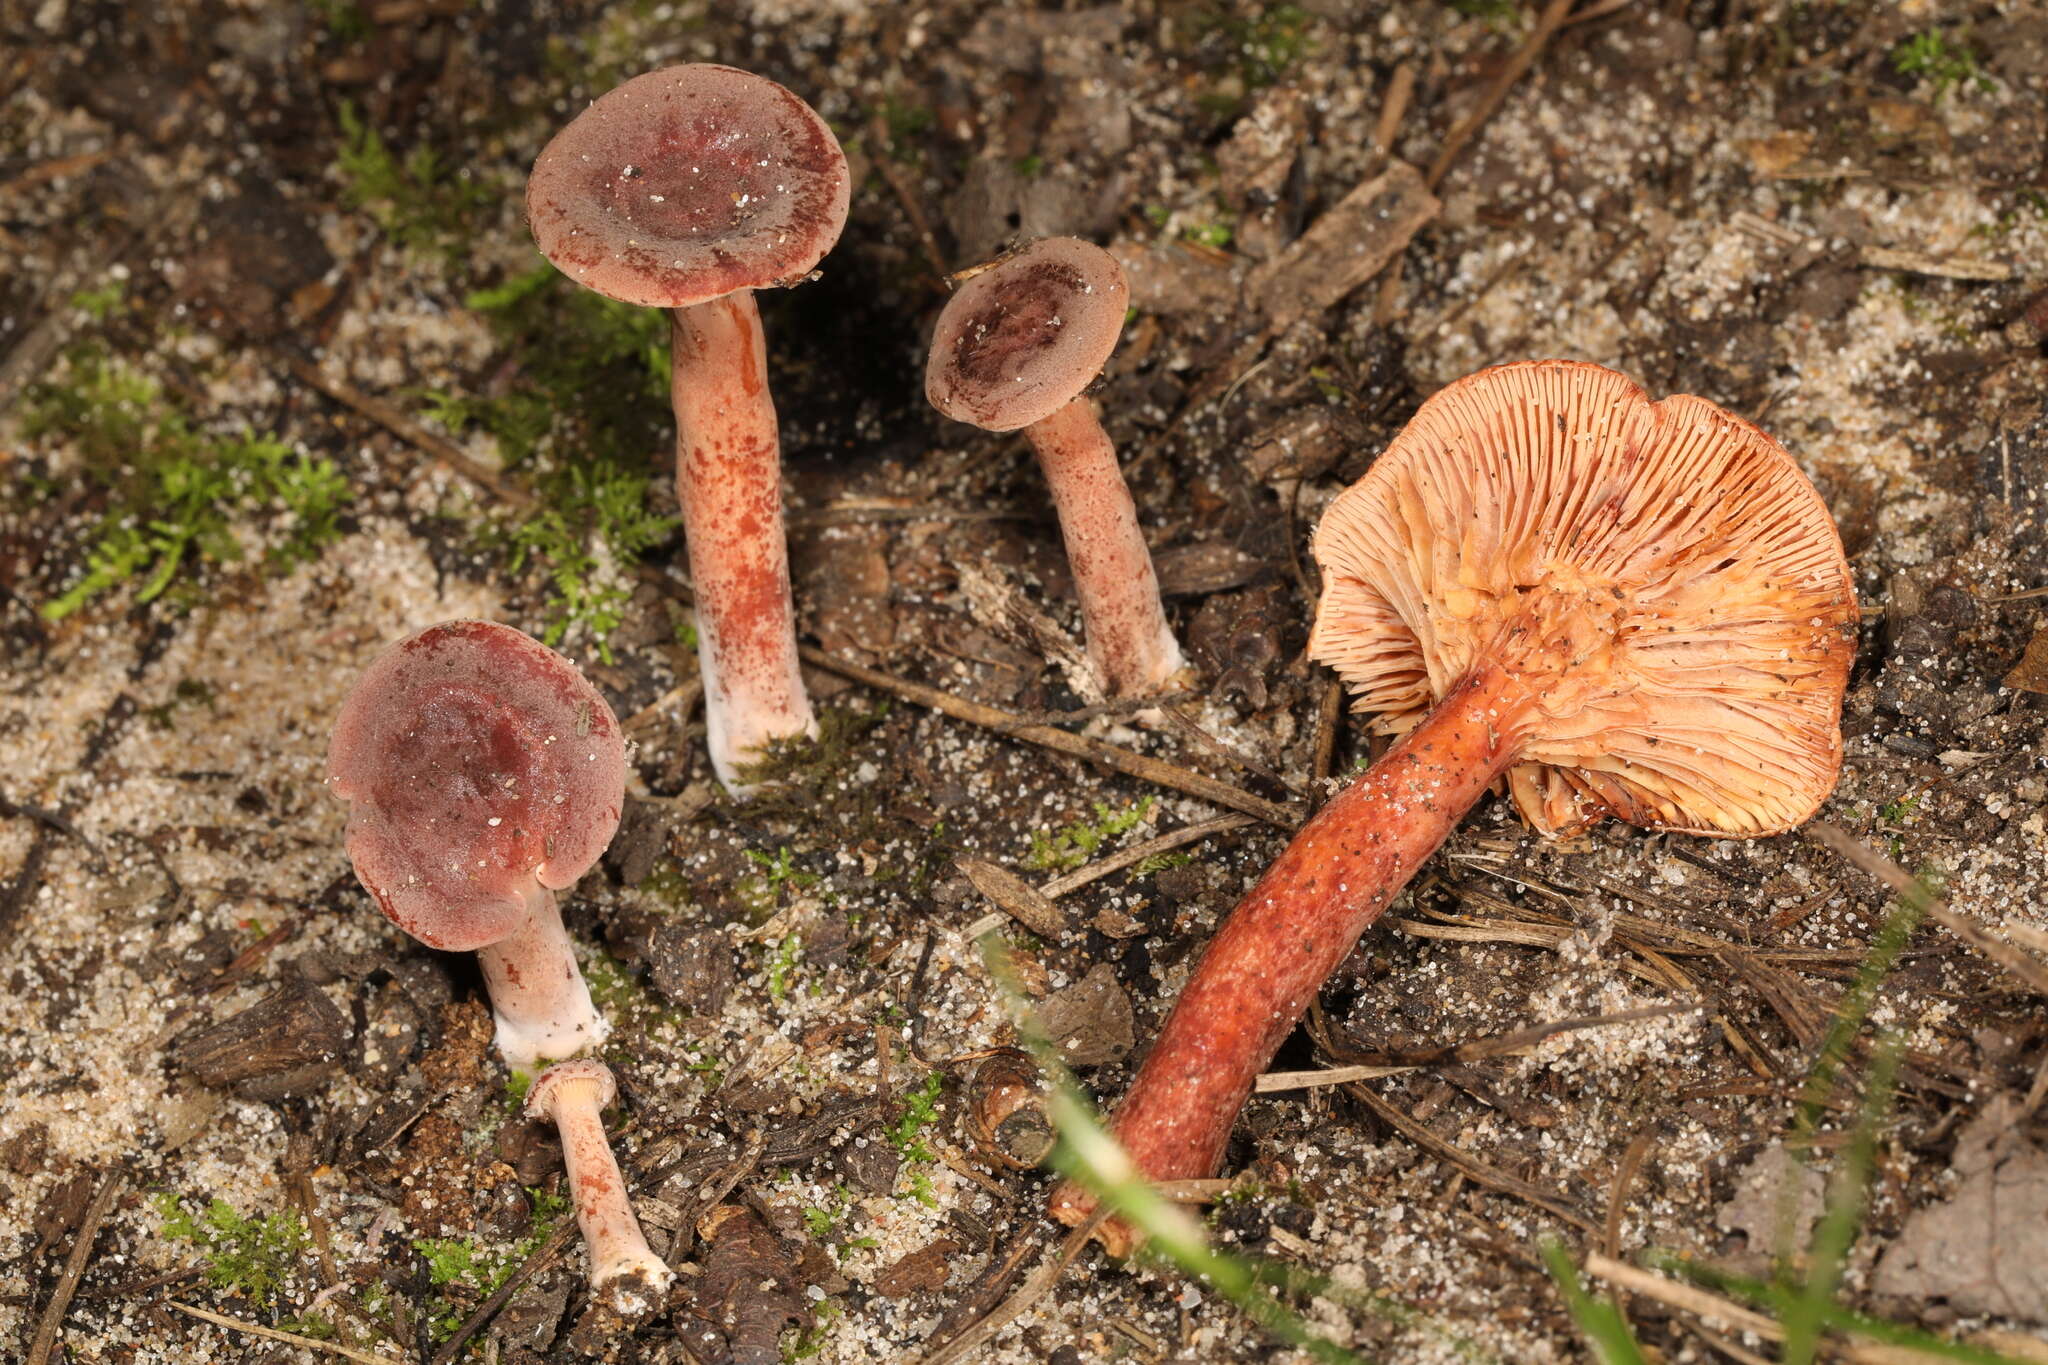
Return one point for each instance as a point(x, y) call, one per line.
point(1291, 930)
point(623, 1268)
point(538, 997)
point(1131, 645)
point(729, 482)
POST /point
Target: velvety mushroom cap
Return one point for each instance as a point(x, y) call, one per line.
point(1660, 576)
point(686, 184)
point(478, 765)
point(546, 1089)
point(1020, 340)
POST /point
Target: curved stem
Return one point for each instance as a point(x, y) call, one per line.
point(1132, 647)
point(622, 1266)
point(1286, 936)
point(729, 482)
point(538, 997)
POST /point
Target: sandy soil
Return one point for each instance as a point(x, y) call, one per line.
point(1748, 201)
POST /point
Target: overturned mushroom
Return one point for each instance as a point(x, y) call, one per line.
point(1623, 607)
point(1014, 348)
point(484, 774)
point(688, 189)
point(624, 1271)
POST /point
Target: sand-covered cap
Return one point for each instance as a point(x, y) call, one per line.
point(1663, 577)
point(686, 184)
point(1024, 336)
point(546, 1089)
point(478, 765)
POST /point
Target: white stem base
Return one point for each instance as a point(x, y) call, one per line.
point(541, 1003)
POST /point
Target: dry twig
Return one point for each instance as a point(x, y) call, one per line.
point(1138, 853)
point(1041, 1282)
point(444, 451)
point(74, 1267)
point(1552, 19)
point(1477, 1171)
point(2031, 973)
point(333, 1348)
point(1141, 766)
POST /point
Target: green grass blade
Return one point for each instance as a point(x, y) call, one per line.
point(1598, 1319)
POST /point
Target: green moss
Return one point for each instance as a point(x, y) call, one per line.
point(476, 1269)
point(782, 963)
point(1944, 65)
point(667, 884)
point(1263, 45)
point(252, 1257)
point(1500, 15)
point(920, 1111)
point(344, 20)
point(415, 200)
point(588, 404)
point(99, 303)
point(1064, 849)
point(1160, 862)
point(801, 765)
point(173, 491)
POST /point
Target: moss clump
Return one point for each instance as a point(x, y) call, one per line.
point(172, 491)
point(793, 775)
point(1064, 849)
point(466, 1271)
point(252, 1257)
point(415, 200)
point(586, 410)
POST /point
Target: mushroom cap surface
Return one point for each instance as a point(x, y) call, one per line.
point(479, 766)
point(1021, 338)
point(1661, 578)
point(687, 183)
point(547, 1087)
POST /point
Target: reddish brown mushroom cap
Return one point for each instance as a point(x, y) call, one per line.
point(1023, 337)
point(1661, 576)
point(686, 184)
point(477, 764)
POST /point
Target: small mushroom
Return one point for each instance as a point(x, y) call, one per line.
point(624, 1271)
point(484, 774)
point(687, 189)
point(1621, 607)
point(1014, 348)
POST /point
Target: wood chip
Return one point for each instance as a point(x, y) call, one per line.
point(1345, 247)
point(296, 1029)
point(925, 1269)
point(1024, 902)
point(2030, 674)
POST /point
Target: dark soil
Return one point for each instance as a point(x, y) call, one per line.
point(816, 1104)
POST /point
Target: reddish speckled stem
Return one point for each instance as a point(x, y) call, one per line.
point(1285, 937)
point(538, 998)
point(1129, 641)
point(622, 1266)
point(729, 482)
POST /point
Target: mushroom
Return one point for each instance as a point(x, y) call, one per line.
point(1622, 607)
point(623, 1270)
point(687, 189)
point(484, 774)
point(1015, 347)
